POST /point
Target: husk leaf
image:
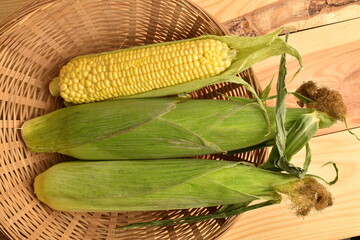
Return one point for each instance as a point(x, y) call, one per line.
point(146, 185)
point(152, 128)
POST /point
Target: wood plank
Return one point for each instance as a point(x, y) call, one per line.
point(331, 57)
point(260, 17)
point(340, 221)
point(227, 10)
point(252, 16)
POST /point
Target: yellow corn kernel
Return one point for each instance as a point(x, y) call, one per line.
point(101, 77)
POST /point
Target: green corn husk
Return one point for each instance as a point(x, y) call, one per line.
point(164, 184)
point(156, 128)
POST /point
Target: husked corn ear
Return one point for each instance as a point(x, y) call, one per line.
point(163, 69)
point(122, 73)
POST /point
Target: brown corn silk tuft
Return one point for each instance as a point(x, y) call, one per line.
point(325, 100)
point(306, 195)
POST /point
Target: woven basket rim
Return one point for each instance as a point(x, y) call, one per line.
point(22, 13)
point(19, 13)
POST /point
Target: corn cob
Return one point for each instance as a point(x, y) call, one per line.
point(147, 185)
point(157, 128)
point(163, 68)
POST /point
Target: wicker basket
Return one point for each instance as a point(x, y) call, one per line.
point(35, 42)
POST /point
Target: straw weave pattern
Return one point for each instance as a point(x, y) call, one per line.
point(35, 42)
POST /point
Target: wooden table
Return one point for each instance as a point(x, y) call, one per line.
point(328, 37)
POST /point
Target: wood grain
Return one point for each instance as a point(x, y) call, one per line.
point(261, 17)
point(331, 57)
point(340, 221)
point(226, 10)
